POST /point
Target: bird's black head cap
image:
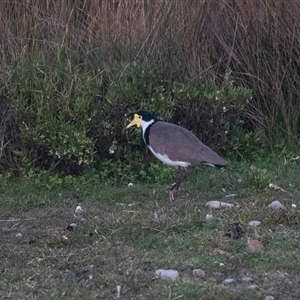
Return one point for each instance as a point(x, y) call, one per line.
point(146, 116)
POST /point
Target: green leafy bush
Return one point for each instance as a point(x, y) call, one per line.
point(71, 122)
point(210, 110)
point(53, 107)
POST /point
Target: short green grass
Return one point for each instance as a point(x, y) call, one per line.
point(128, 232)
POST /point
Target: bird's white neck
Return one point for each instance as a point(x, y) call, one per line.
point(146, 124)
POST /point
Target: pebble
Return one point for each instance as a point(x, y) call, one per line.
point(252, 286)
point(289, 282)
point(270, 298)
point(276, 205)
point(218, 204)
point(208, 217)
point(78, 209)
point(198, 273)
point(230, 195)
point(19, 235)
point(130, 184)
point(166, 274)
point(254, 223)
point(228, 281)
point(247, 279)
point(255, 246)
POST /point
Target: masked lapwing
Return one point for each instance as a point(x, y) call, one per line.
point(175, 146)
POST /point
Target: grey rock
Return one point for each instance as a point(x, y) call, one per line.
point(254, 223)
point(276, 205)
point(218, 204)
point(255, 245)
point(252, 287)
point(247, 279)
point(230, 196)
point(166, 274)
point(198, 273)
point(229, 281)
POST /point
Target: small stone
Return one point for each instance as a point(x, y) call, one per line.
point(230, 196)
point(276, 205)
point(255, 246)
point(247, 279)
point(252, 287)
point(228, 281)
point(294, 205)
point(254, 223)
point(218, 204)
point(166, 274)
point(78, 209)
point(289, 282)
point(208, 217)
point(198, 273)
point(269, 298)
point(19, 235)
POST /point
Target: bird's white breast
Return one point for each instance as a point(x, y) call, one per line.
point(166, 160)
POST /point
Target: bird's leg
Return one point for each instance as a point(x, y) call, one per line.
point(182, 175)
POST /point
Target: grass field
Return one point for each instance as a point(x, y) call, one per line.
point(125, 233)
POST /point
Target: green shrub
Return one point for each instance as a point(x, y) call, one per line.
point(54, 113)
point(70, 122)
point(210, 111)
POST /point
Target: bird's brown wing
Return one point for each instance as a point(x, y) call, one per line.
point(181, 144)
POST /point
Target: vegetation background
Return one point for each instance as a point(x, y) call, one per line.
point(74, 71)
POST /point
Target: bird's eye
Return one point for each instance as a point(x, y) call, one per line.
point(140, 117)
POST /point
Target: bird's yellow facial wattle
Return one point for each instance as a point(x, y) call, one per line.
point(136, 121)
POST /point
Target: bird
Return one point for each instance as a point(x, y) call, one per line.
point(175, 146)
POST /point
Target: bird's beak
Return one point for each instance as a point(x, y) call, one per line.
point(136, 121)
